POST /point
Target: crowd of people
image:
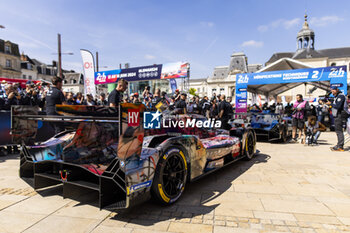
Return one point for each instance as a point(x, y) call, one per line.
point(306, 117)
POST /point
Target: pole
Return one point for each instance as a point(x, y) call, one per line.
point(96, 61)
point(59, 56)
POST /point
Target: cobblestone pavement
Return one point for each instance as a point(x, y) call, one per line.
point(286, 188)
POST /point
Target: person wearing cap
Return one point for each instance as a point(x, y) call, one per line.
point(340, 114)
point(102, 101)
point(116, 96)
point(177, 95)
point(89, 100)
point(181, 104)
point(136, 98)
point(29, 96)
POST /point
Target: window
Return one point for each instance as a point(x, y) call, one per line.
point(24, 76)
point(222, 89)
point(30, 77)
point(29, 66)
point(8, 64)
point(214, 89)
point(7, 49)
point(333, 64)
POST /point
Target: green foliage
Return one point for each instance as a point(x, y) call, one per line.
point(192, 91)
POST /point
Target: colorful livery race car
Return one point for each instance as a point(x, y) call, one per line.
point(270, 126)
point(126, 154)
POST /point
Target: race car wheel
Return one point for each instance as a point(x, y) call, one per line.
point(170, 177)
point(249, 147)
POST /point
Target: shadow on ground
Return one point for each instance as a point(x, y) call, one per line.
point(195, 199)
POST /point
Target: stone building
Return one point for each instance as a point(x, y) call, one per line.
point(10, 63)
point(307, 54)
point(223, 79)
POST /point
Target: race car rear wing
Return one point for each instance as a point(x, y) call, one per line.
point(92, 152)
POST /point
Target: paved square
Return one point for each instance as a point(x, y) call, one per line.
point(286, 188)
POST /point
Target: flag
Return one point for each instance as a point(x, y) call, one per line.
point(89, 72)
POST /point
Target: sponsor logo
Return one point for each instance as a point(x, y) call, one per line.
point(133, 117)
point(151, 120)
point(140, 186)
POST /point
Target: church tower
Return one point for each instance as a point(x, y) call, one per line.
point(306, 37)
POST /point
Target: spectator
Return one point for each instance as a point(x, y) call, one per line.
point(156, 98)
point(30, 95)
point(177, 95)
point(102, 101)
point(214, 111)
point(279, 109)
point(89, 100)
point(181, 104)
point(197, 108)
point(224, 112)
point(80, 98)
point(12, 97)
point(206, 106)
point(116, 96)
point(298, 118)
point(322, 111)
point(70, 99)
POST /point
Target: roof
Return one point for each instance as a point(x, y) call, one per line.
point(281, 64)
point(311, 53)
point(198, 80)
point(277, 56)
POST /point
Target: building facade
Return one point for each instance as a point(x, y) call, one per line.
point(10, 63)
point(223, 79)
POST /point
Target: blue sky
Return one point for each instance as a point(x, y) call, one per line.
point(204, 33)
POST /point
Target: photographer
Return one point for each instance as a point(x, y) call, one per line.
point(11, 97)
point(340, 114)
point(30, 94)
point(312, 130)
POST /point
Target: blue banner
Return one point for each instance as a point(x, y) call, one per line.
point(173, 85)
point(336, 75)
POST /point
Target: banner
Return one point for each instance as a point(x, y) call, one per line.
point(336, 75)
point(143, 73)
point(89, 72)
point(173, 85)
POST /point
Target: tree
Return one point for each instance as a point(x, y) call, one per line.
point(192, 91)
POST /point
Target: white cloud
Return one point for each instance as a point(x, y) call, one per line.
point(284, 23)
point(149, 57)
point(325, 20)
point(252, 43)
point(207, 24)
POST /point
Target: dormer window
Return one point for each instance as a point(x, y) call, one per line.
point(7, 48)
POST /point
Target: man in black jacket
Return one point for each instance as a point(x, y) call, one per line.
point(340, 114)
point(53, 97)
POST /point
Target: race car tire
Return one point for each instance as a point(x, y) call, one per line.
point(170, 176)
point(249, 145)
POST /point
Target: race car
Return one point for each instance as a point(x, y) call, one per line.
point(267, 126)
point(126, 154)
point(271, 126)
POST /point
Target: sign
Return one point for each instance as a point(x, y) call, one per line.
point(166, 71)
point(89, 71)
point(173, 85)
point(336, 75)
